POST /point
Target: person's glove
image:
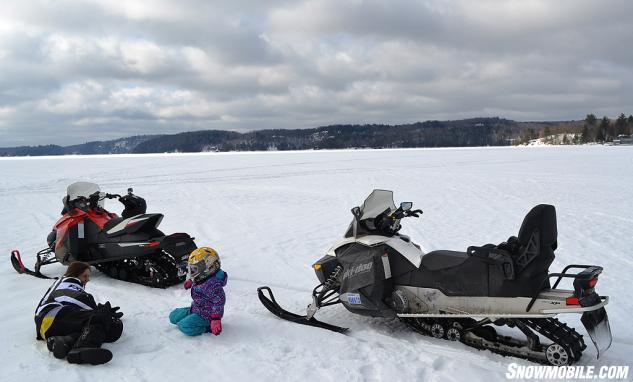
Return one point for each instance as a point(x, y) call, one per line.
point(104, 307)
point(116, 314)
point(216, 327)
point(188, 283)
point(107, 307)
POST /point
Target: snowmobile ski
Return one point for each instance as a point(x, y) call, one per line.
point(18, 265)
point(271, 304)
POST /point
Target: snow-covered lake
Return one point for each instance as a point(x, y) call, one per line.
point(271, 215)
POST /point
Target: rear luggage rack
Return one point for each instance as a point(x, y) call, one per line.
point(588, 273)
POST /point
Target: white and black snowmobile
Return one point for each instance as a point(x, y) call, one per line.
point(459, 296)
point(129, 248)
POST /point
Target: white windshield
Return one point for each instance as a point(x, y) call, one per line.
point(376, 203)
point(83, 190)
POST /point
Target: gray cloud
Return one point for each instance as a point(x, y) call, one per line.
point(73, 71)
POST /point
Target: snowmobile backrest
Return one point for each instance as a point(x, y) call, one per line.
point(543, 219)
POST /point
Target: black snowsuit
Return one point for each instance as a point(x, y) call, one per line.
point(67, 309)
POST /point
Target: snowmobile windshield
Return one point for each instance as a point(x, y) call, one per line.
point(376, 206)
point(84, 190)
point(377, 203)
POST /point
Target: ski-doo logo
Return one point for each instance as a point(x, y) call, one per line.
point(361, 268)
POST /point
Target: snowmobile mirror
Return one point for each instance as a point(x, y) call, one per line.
point(129, 191)
point(406, 206)
point(356, 212)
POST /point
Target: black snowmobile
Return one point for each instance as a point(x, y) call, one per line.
point(459, 296)
point(129, 248)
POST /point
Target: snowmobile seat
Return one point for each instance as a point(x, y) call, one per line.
point(516, 268)
point(436, 260)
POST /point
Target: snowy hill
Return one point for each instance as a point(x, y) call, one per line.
point(271, 215)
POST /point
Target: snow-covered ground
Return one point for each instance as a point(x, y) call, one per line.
point(271, 215)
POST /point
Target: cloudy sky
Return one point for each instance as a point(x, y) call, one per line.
point(79, 70)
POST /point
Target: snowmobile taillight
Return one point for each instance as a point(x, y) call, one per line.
point(592, 283)
point(572, 301)
point(152, 244)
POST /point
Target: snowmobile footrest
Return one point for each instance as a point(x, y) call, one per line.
point(271, 304)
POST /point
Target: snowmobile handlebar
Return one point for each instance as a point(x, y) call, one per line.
point(117, 196)
point(414, 213)
point(399, 213)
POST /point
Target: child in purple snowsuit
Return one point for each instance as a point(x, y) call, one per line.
point(206, 311)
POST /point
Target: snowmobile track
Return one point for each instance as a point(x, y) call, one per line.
point(566, 348)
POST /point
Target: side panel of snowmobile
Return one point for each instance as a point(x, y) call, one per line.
point(138, 223)
point(365, 280)
point(402, 244)
point(369, 240)
point(66, 222)
point(75, 231)
point(122, 250)
point(178, 245)
point(549, 302)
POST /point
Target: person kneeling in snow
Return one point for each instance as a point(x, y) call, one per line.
point(206, 281)
point(72, 323)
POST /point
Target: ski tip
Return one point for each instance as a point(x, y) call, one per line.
point(16, 261)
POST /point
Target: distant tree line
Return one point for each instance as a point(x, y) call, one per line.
point(589, 130)
point(459, 133)
point(605, 130)
point(470, 132)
